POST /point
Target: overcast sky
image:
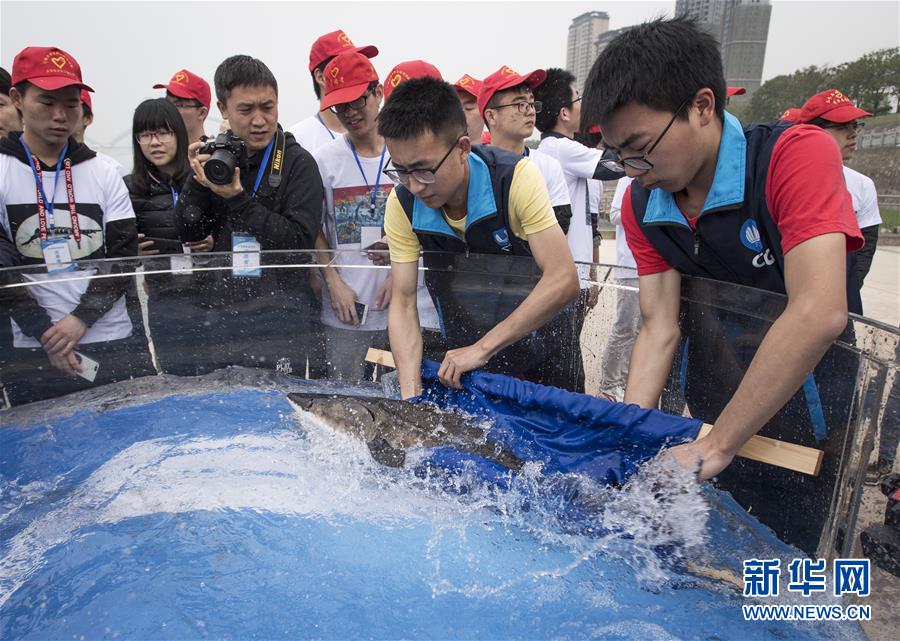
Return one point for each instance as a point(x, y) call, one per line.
point(125, 47)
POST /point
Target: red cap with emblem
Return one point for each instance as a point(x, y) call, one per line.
point(791, 114)
point(735, 91)
point(189, 86)
point(408, 70)
point(470, 85)
point(347, 78)
point(331, 44)
point(49, 68)
point(505, 78)
point(830, 105)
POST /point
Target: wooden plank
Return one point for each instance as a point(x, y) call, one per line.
point(798, 458)
point(779, 453)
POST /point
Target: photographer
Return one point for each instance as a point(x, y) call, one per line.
point(273, 200)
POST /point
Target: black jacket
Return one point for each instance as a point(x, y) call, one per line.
point(286, 216)
point(155, 215)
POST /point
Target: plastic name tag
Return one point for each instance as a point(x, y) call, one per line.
point(245, 256)
point(369, 235)
point(182, 263)
point(56, 255)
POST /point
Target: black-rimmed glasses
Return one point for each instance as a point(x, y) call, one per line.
point(640, 162)
point(355, 105)
point(523, 107)
point(186, 104)
point(163, 135)
point(424, 176)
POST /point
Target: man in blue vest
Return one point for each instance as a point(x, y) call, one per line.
point(456, 198)
point(765, 208)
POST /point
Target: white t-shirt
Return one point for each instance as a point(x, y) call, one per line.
point(350, 214)
point(624, 257)
point(864, 197)
point(100, 198)
point(112, 162)
point(312, 133)
point(553, 175)
point(578, 164)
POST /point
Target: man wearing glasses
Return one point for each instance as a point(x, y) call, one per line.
point(190, 93)
point(356, 296)
point(765, 208)
point(456, 198)
point(832, 111)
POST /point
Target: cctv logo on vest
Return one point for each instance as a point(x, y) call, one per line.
point(501, 237)
point(751, 240)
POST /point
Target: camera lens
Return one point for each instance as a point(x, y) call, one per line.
point(219, 169)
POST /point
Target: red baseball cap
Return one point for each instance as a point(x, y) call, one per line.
point(408, 70)
point(735, 91)
point(791, 114)
point(331, 44)
point(185, 84)
point(830, 105)
point(504, 78)
point(470, 85)
point(49, 68)
point(86, 99)
point(347, 77)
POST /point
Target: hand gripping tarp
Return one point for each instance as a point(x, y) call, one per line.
point(566, 431)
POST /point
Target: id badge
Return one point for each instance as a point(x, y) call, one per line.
point(369, 235)
point(56, 255)
point(245, 256)
point(182, 263)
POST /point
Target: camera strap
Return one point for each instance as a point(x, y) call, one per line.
point(277, 160)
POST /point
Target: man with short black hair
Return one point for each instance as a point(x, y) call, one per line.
point(10, 119)
point(191, 95)
point(558, 121)
point(323, 126)
point(764, 208)
point(273, 201)
point(60, 204)
point(447, 201)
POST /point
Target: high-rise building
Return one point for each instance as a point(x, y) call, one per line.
point(581, 46)
point(742, 29)
point(605, 38)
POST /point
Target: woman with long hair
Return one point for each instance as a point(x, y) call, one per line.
point(160, 169)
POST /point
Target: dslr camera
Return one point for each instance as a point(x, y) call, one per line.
point(228, 151)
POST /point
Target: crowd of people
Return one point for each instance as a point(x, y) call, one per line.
point(412, 171)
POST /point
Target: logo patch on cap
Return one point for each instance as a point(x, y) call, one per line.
point(465, 81)
point(506, 71)
point(836, 98)
point(345, 40)
point(59, 61)
point(180, 77)
point(397, 77)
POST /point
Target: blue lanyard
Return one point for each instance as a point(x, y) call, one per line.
point(262, 166)
point(366, 180)
point(330, 133)
point(48, 204)
point(526, 152)
point(174, 196)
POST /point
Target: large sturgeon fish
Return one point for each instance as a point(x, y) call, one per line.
point(391, 427)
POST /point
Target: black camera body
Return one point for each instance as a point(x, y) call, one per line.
point(228, 152)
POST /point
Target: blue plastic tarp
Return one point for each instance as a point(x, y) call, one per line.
point(565, 431)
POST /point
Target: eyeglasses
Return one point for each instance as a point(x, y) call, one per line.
point(424, 176)
point(186, 104)
point(355, 105)
point(847, 127)
point(523, 106)
point(640, 162)
point(163, 136)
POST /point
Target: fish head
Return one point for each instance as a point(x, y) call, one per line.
point(346, 413)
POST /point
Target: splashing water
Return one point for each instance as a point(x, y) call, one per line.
point(225, 514)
